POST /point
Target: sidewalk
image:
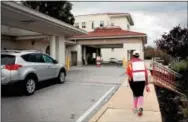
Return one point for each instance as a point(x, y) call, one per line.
point(119, 107)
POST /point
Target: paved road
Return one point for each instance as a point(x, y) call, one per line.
point(62, 102)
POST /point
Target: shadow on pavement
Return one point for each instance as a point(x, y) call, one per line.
point(16, 91)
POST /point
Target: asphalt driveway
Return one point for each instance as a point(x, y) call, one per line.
point(62, 102)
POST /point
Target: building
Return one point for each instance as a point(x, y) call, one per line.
point(111, 25)
point(90, 22)
point(104, 41)
point(25, 28)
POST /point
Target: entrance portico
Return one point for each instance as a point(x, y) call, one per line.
point(110, 42)
point(54, 32)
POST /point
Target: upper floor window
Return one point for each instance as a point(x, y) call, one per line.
point(83, 24)
point(76, 25)
point(101, 23)
point(92, 25)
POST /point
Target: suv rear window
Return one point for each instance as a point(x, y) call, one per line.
point(7, 59)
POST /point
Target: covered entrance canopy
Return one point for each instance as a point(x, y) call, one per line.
point(33, 24)
point(19, 16)
point(109, 38)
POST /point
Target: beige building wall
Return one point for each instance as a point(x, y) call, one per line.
point(122, 22)
point(108, 20)
point(10, 43)
point(33, 45)
point(119, 53)
point(75, 48)
point(7, 42)
point(108, 53)
point(134, 45)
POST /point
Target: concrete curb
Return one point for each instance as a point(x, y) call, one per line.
point(98, 105)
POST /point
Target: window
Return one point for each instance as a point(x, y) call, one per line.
point(101, 23)
point(7, 59)
point(76, 25)
point(47, 59)
point(92, 25)
point(83, 24)
point(37, 58)
point(26, 57)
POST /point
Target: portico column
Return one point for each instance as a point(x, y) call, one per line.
point(61, 50)
point(79, 55)
point(84, 54)
point(53, 46)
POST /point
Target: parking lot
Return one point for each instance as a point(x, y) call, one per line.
point(66, 102)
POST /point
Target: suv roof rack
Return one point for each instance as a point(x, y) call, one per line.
point(19, 51)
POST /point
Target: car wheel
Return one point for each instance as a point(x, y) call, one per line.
point(61, 77)
point(30, 85)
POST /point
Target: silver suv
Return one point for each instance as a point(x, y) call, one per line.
point(29, 67)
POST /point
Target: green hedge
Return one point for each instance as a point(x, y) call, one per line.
point(182, 68)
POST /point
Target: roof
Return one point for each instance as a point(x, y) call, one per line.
point(112, 14)
point(112, 32)
point(30, 19)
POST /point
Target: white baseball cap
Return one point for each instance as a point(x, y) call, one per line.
point(136, 53)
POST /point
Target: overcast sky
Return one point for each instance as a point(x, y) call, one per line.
point(152, 18)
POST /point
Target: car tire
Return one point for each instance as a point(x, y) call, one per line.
point(29, 85)
point(61, 77)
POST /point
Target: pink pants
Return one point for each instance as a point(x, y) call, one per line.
point(138, 102)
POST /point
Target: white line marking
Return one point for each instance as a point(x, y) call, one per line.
point(81, 118)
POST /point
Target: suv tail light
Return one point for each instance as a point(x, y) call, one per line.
point(13, 67)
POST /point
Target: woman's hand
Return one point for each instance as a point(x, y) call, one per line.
point(147, 88)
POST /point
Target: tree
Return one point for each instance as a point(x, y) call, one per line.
point(150, 52)
point(175, 42)
point(58, 9)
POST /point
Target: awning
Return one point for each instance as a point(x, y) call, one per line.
point(19, 16)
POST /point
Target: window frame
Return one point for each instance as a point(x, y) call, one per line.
point(83, 24)
point(101, 23)
point(77, 25)
point(92, 25)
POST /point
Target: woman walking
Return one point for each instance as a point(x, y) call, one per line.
point(138, 79)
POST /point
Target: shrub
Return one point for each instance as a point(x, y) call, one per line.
point(182, 68)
